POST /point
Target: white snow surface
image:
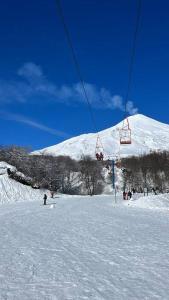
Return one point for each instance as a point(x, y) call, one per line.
point(160, 201)
point(12, 191)
point(147, 135)
point(4, 166)
point(83, 248)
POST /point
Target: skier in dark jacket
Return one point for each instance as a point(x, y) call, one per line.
point(124, 195)
point(129, 195)
point(44, 198)
point(133, 190)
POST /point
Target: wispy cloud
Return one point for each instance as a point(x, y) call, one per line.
point(22, 119)
point(33, 84)
point(31, 71)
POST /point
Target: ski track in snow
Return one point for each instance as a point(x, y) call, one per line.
point(83, 248)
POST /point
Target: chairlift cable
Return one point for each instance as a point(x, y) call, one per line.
point(125, 132)
point(78, 69)
point(75, 60)
point(77, 65)
point(133, 53)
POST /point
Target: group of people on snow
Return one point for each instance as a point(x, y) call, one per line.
point(99, 156)
point(127, 195)
point(145, 191)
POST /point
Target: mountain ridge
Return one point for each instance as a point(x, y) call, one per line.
point(147, 135)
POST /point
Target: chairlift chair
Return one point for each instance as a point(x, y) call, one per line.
point(99, 151)
point(125, 133)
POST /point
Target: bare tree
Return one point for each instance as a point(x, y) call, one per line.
point(91, 175)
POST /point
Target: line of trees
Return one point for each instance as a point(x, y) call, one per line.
point(69, 176)
point(149, 171)
point(60, 173)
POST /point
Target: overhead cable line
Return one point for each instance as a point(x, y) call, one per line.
point(133, 53)
point(125, 131)
point(75, 60)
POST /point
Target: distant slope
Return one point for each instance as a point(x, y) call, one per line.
point(147, 135)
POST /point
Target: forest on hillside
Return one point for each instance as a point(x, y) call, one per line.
point(60, 173)
point(87, 176)
point(149, 171)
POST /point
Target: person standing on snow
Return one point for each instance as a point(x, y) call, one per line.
point(129, 195)
point(52, 194)
point(124, 195)
point(44, 199)
point(145, 191)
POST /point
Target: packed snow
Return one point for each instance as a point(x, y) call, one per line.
point(12, 191)
point(160, 201)
point(83, 248)
point(147, 135)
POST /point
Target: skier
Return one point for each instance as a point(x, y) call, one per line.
point(154, 191)
point(133, 190)
point(129, 195)
point(145, 191)
point(52, 194)
point(124, 195)
point(44, 198)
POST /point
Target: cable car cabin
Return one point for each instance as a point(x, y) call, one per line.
point(125, 133)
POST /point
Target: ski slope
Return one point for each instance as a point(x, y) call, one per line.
point(160, 201)
point(147, 135)
point(83, 248)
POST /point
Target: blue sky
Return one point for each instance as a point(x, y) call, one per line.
point(41, 101)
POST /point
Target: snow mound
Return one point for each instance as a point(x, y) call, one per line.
point(12, 191)
point(4, 166)
point(150, 202)
point(147, 135)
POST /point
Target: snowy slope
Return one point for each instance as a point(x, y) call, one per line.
point(160, 201)
point(147, 135)
point(83, 248)
point(12, 191)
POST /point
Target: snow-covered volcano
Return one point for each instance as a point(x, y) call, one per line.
point(147, 135)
